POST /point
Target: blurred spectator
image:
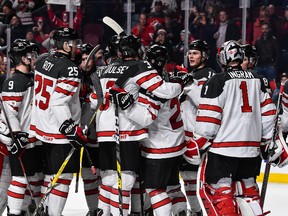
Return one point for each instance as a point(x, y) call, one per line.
point(169, 6)
point(179, 50)
point(3, 64)
point(268, 53)
point(274, 20)
point(48, 43)
point(23, 10)
point(64, 21)
point(8, 11)
point(143, 30)
point(263, 18)
point(158, 14)
point(283, 42)
point(17, 30)
point(212, 13)
point(31, 38)
point(225, 30)
point(283, 78)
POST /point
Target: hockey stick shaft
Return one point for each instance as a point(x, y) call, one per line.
point(271, 147)
point(78, 173)
point(19, 158)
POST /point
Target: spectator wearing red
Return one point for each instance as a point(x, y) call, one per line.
point(157, 15)
point(263, 18)
point(64, 22)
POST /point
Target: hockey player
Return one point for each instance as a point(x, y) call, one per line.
point(24, 155)
point(198, 54)
point(139, 74)
point(91, 181)
point(238, 114)
point(56, 114)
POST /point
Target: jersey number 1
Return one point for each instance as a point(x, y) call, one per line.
point(245, 107)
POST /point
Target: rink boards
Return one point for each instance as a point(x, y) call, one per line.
point(277, 175)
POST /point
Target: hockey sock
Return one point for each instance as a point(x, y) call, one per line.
point(135, 197)
point(189, 179)
point(161, 203)
point(58, 196)
point(91, 184)
point(178, 199)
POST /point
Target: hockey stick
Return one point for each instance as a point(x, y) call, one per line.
point(19, 158)
point(78, 173)
point(49, 189)
point(271, 147)
point(113, 25)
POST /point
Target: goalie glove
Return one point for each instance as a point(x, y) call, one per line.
point(73, 133)
point(192, 154)
point(280, 153)
point(121, 98)
point(19, 146)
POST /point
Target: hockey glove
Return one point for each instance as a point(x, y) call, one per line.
point(121, 98)
point(73, 133)
point(19, 145)
point(5, 136)
point(192, 154)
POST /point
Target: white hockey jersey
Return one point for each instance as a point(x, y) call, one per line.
point(142, 76)
point(192, 93)
point(56, 97)
point(236, 112)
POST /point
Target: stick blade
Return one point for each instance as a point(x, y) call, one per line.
point(113, 24)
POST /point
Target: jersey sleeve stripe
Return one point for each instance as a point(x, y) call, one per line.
point(63, 91)
point(72, 83)
point(155, 86)
point(145, 101)
point(266, 102)
point(208, 120)
point(12, 98)
point(163, 150)
point(210, 107)
point(268, 113)
point(146, 78)
point(236, 144)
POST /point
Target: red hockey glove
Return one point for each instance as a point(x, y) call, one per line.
point(73, 133)
point(192, 154)
point(122, 98)
point(19, 145)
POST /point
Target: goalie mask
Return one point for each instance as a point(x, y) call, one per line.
point(130, 47)
point(157, 55)
point(230, 51)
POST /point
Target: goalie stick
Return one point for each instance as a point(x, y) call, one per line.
point(271, 146)
point(113, 25)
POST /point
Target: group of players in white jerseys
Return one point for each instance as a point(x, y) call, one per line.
point(144, 130)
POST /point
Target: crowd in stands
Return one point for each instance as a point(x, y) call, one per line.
point(161, 22)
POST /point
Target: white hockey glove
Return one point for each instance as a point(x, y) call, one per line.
point(192, 154)
point(122, 98)
point(5, 136)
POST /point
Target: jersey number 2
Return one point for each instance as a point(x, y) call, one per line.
point(246, 107)
point(42, 87)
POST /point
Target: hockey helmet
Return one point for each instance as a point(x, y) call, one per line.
point(113, 45)
point(65, 33)
point(19, 48)
point(130, 46)
point(251, 53)
point(157, 55)
point(230, 51)
point(202, 46)
point(86, 48)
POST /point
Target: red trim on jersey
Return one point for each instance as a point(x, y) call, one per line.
point(155, 192)
point(235, 144)
point(59, 193)
point(164, 150)
point(178, 200)
point(285, 96)
point(266, 102)
point(208, 119)
point(210, 107)
point(3, 151)
point(285, 104)
point(268, 113)
point(145, 101)
point(12, 98)
point(94, 96)
point(152, 115)
point(63, 181)
point(72, 83)
point(115, 191)
point(146, 78)
point(113, 203)
point(201, 83)
point(188, 133)
point(15, 108)
point(91, 192)
point(42, 133)
point(130, 133)
point(155, 86)
point(18, 184)
point(63, 91)
point(15, 195)
point(104, 199)
point(161, 203)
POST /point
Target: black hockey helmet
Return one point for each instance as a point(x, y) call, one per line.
point(65, 33)
point(86, 48)
point(19, 48)
point(113, 45)
point(130, 46)
point(157, 55)
point(251, 53)
point(202, 46)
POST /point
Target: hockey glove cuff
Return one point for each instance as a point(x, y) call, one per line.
point(19, 146)
point(192, 154)
point(73, 133)
point(121, 98)
point(5, 136)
